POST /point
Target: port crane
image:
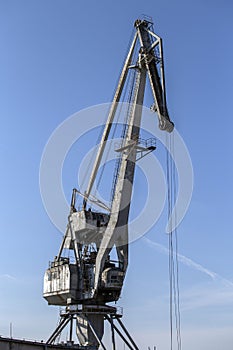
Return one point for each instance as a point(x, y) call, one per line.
point(88, 284)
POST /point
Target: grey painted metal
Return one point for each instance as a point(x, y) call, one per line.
point(113, 334)
point(93, 329)
point(117, 229)
point(60, 283)
point(19, 344)
point(157, 83)
point(71, 330)
point(89, 324)
point(130, 346)
point(93, 279)
point(90, 329)
point(127, 333)
point(59, 329)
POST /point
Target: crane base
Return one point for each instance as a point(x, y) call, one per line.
point(89, 326)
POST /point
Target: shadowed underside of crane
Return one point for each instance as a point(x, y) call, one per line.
point(92, 279)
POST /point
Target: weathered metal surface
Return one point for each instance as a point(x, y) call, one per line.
point(84, 329)
point(88, 226)
point(17, 344)
point(94, 278)
point(60, 283)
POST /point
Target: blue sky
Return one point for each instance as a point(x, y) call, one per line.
point(58, 57)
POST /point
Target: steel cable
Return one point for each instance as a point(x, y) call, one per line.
point(174, 293)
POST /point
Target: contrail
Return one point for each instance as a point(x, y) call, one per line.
point(188, 262)
point(7, 276)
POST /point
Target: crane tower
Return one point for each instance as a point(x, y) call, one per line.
point(87, 285)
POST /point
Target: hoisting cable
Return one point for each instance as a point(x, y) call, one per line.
point(115, 126)
point(176, 247)
point(126, 97)
point(90, 163)
point(174, 294)
point(109, 146)
point(169, 239)
point(130, 86)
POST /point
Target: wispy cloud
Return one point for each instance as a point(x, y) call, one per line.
point(6, 276)
point(214, 293)
point(207, 295)
point(189, 262)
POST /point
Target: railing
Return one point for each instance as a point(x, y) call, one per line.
point(92, 309)
point(147, 143)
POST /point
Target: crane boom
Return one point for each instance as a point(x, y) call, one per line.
point(157, 82)
point(117, 230)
